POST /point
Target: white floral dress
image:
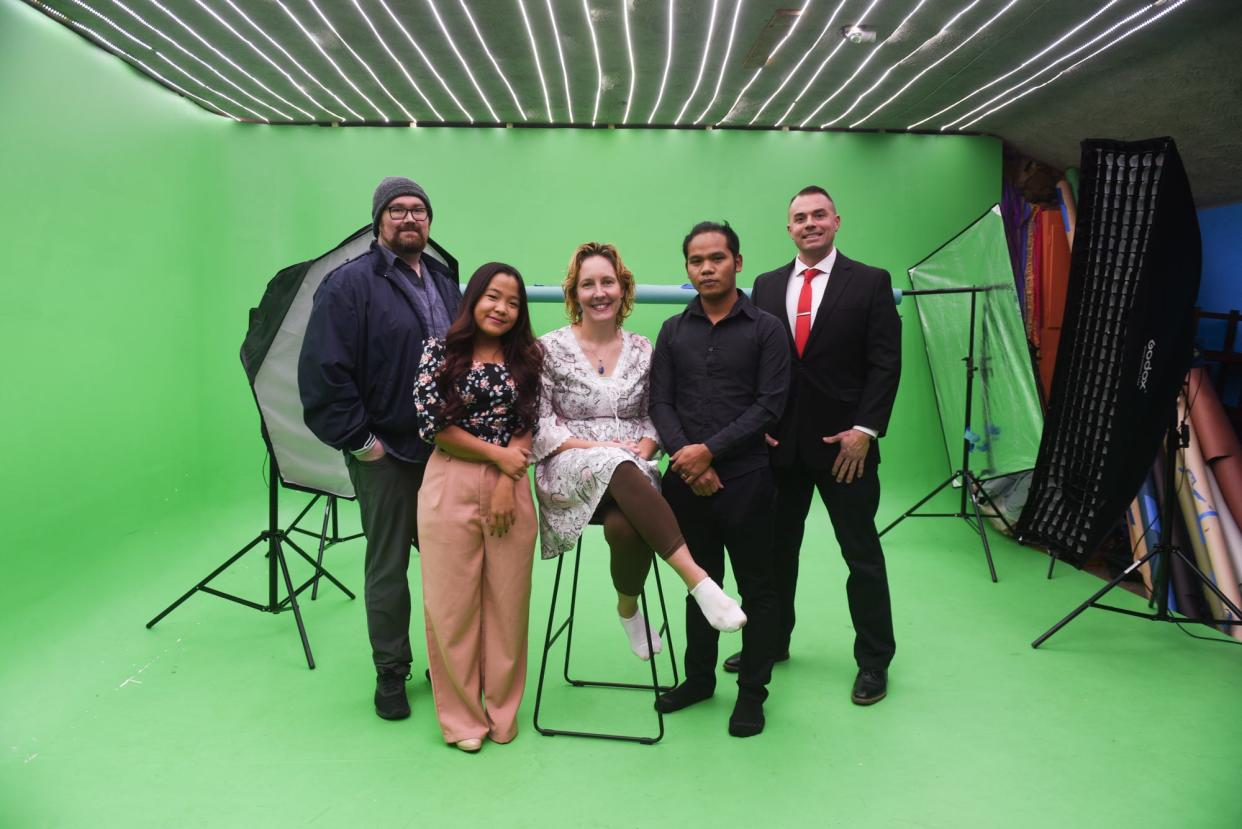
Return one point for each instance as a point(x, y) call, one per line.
point(576, 401)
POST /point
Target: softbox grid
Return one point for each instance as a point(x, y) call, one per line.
point(1126, 341)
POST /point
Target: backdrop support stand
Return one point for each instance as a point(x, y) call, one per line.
point(1162, 553)
point(969, 481)
point(277, 567)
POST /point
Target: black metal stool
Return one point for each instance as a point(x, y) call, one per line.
point(567, 627)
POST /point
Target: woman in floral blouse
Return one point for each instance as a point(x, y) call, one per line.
point(476, 399)
point(595, 446)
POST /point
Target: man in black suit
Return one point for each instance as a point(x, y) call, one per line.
point(845, 343)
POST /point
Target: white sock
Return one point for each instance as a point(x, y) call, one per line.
point(720, 610)
point(636, 628)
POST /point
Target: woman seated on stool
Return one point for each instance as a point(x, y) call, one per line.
point(595, 446)
point(476, 399)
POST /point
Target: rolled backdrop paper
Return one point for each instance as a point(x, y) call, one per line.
point(1213, 535)
point(1194, 534)
point(1233, 534)
point(1138, 541)
point(1220, 445)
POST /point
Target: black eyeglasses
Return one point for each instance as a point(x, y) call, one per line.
point(398, 213)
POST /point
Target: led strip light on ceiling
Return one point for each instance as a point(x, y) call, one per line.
point(339, 71)
point(453, 45)
point(668, 62)
point(205, 64)
point(808, 52)
point(707, 48)
point(543, 84)
point(295, 62)
point(771, 55)
point(265, 57)
point(884, 75)
point(121, 53)
point(443, 84)
point(934, 64)
point(400, 64)
point(1020, 66)
point(1114, 27)
point(556, 35)
point(408, 115)
point(1070, 68)
point(194, 33)
point(724, 64)
point(492, 58)
point(851, 78)
point(599, 67)
point(629, 50)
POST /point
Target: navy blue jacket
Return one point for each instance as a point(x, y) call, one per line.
point(359, 360)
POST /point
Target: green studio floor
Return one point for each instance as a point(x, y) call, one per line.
point(212, 719)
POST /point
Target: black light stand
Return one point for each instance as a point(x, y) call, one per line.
point(1178, 437)
point(330, 514)
point(970, 482)
point(275, 539)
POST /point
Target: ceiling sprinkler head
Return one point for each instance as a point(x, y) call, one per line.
point(857, 33)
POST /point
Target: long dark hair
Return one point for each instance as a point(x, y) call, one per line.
point(523, 354)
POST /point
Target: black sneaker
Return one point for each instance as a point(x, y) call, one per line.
point(391, 702)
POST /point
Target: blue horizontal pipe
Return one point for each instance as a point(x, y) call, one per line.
point(643, 294)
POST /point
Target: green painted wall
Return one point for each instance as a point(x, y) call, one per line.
point(138, 230)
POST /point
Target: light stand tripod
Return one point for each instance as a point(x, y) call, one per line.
point(1164, 550)
point(969, 481)
point(275, 538)
point(330, 514)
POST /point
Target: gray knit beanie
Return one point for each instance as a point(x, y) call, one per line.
point(391, 188)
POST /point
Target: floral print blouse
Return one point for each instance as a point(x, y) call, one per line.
point(487, 390)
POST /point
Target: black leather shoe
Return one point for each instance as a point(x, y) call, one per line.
point(870, 687)
point(391, 703)
point(747, 718)
point(734, 663)
point(683, 696)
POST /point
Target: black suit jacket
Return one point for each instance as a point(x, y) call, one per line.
point(849, 373)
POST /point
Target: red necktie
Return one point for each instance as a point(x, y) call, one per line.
point(802, 328)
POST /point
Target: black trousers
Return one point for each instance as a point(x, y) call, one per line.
point(851, 508)
point(738, 518)
point(387, 492)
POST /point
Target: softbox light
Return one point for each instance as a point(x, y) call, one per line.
point(1126, 342)
point(270, 356)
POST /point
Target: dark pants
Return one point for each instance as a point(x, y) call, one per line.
point(387, 492)
point(737, 518)
point(851, 508)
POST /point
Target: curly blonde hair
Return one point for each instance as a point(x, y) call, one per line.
point(624, 276)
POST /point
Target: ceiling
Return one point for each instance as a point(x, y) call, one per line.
point(1041, 74)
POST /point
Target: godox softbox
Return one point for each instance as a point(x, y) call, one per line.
point(1125, 345)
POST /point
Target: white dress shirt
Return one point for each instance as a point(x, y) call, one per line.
point(819, 283)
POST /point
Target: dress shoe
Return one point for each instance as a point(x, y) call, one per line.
point(471, 745)
point(683, 696)
point(870, 687)
point(734, 663)
point(391, 703)
point(747, 718)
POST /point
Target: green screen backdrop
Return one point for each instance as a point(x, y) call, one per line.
point(138, 230)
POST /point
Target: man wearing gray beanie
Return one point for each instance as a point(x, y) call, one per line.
point(356, 376)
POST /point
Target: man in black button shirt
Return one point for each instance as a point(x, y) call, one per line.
point(719, 377)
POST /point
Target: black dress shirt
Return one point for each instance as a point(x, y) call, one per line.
point(721, 385)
